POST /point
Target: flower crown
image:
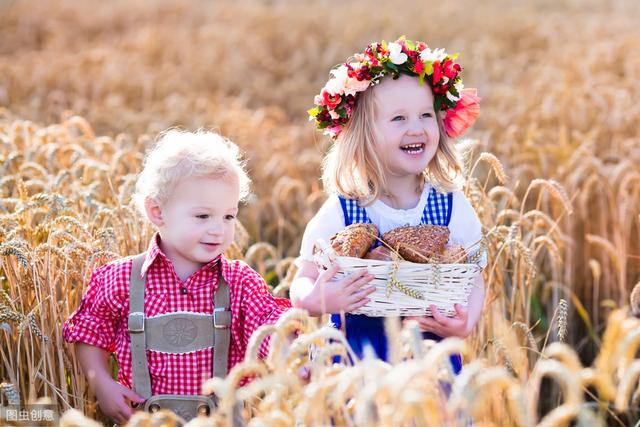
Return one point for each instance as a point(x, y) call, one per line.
point(337, 99)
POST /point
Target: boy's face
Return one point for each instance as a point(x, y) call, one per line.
point(197, 222)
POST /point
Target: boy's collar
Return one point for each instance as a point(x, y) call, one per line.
point(154, 251)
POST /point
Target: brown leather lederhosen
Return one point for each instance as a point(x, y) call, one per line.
point(180, 332)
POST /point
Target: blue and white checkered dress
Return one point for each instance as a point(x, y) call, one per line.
point(363, 330)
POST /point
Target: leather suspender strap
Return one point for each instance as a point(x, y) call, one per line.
point(222, 327)
point(140, 367)
point(136, 326)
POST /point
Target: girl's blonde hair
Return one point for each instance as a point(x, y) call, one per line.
point(353, 169)
point(178, 154)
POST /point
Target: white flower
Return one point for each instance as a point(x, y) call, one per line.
point(433, 55)
point(459, 86)
point(451, 97)
point(335, 85)
point(396, 55)
point(333, 114)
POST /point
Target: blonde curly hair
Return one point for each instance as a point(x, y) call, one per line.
point(179, 154)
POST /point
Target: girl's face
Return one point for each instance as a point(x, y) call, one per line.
point(406, 124)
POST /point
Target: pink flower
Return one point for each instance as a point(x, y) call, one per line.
point(353, 86)
point(457, 120)
point(333, 131)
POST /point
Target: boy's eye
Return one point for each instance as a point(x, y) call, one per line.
point(202, 216)
point(229, 217)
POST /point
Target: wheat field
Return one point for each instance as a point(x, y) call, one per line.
point(551, 168)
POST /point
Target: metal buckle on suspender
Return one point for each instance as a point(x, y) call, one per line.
point(222, 318)
point(135, 322)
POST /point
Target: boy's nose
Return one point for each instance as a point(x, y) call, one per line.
point(215, 229)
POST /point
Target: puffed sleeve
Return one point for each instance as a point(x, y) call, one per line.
point(465, 227)
point(328, 221)
point(100, 311)
point(258, 306)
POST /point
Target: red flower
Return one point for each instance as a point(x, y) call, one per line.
point(437, 72)
point(330, 101)
point(465, 113)
point(418, 67)
point(450, 69)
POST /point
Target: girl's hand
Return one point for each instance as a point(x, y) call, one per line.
point(116, 400)
point(347, 294)
point(457, 326)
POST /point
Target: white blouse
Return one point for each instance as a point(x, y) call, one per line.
point(464, 227)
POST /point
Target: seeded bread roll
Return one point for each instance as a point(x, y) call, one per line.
point(454, 254)
point(355, 240)
point(418, 243)
point(381, 253)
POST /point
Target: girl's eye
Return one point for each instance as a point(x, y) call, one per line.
point(229, 217)
point(202, 216)
point(397, 118)
point(427, 115)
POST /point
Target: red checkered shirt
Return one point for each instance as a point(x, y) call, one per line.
point(101, 319)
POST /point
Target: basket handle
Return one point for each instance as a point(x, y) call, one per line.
point(323, 255)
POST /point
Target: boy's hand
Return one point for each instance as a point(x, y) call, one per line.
point(347, 294)
point(115, 400)
point(443, 326)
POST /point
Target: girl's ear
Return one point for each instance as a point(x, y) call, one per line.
point(154, 211)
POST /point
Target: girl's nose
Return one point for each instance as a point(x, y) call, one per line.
point(415, 128)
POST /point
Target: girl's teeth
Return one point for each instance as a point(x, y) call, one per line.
point(413, 148)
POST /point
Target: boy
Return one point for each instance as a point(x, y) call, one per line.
point(156, 311)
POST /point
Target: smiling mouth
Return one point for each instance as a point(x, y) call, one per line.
point(413, 148)
point(209, 244)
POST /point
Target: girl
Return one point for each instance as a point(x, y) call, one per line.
point(392, 164)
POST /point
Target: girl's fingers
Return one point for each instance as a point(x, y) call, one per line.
point(461, 312)
point(357, 279)
point(358, 304)
point(428, 322)
point(360, 285)
point(327, 275)
point(359, 295)
point(438, 317)
point(430, 327)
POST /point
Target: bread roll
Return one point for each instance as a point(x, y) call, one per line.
point(419, 243)
point(453, 254)
point(355, 240)
point(381, 253)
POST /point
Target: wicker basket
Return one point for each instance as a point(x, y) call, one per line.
point(405, 288)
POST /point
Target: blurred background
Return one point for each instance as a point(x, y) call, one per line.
point(86, 86)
